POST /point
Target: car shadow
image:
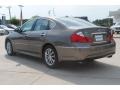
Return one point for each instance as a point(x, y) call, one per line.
point(97, 73)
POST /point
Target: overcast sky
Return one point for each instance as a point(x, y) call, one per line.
point(93, 12)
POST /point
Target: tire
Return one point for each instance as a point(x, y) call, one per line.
point(9, 48)
point(50, 57)
point(117, 32)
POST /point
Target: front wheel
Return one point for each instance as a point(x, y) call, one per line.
point(50, 57)
point(9, 48)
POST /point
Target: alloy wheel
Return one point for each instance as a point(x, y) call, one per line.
point(49, 56)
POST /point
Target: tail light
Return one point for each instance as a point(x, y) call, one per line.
point(79, 37)
point(110, 37)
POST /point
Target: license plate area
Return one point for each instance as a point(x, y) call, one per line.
point(98, 37)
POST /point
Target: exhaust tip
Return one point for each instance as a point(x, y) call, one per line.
point(110, 56)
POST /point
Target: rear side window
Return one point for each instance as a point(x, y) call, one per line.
point(41, 24)
point(44, 24)
point(51, 24)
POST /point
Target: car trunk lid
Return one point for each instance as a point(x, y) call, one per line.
point(98, 35)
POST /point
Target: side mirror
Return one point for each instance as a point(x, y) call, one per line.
point(18, 30)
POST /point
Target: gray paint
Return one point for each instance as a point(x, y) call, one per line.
point(32, 42)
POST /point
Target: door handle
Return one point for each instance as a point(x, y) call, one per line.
point(42, 34)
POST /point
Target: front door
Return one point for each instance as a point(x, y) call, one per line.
point(21, 38)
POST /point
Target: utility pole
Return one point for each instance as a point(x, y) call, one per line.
point(54, 12)
point(3, 19)
point(49, 12)
point(0, 17)
point(21, 15)
point(9, 9)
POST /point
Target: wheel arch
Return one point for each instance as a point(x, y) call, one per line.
point(47, 44)
point(56, 64)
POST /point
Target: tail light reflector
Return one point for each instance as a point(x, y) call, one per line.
point(110, 37)
point(79, 37)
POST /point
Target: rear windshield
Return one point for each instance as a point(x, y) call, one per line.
point(75, 22)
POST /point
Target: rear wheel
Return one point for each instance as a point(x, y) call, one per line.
point(117, 32)
point(50, 57)
point(9, 48)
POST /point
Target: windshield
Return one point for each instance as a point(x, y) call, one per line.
point(75, 22)
point(117, 23)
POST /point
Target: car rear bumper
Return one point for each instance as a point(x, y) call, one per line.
point(116, 30)
point(82, 53)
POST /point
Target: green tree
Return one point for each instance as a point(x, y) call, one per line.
point(35, 16)
point(107, 22)
point(14, 21)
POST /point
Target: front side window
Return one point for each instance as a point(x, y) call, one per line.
point(28, 25)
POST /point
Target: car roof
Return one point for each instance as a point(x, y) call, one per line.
point(39, 17)
point(53, 18)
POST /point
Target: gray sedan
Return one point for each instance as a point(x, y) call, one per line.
point(61, 39)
